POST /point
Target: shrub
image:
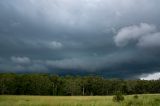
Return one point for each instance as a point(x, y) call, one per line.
point(118, 97)
point(135, 96)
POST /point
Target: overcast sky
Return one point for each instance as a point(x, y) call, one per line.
point(111, 38)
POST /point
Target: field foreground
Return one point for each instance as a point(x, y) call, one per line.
point(142, 100)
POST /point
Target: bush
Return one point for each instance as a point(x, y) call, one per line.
point(135, 96)
point(118, 97)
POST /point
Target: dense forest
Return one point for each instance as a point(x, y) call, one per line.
point(46, 84)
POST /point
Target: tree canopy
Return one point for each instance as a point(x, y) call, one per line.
point(46, 84)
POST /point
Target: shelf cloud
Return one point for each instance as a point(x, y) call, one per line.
point(102, 37)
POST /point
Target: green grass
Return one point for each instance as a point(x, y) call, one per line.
point(142, 100)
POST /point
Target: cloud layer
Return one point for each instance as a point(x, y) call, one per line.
point(104, 37)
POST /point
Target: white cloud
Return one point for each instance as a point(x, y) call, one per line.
point(154, 76)
point(133, 33)
point(150, 41)
point(20, 60)
point(42, 43)
point(54, 45)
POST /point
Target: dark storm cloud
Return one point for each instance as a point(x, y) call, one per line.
point(107, 37)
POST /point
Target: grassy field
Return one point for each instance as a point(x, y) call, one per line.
point(142, 100)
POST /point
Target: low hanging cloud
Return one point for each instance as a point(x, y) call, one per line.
point(23, 64)
point(151, 41)
point(76, 64)
point(21, 60)
point(133, 33)
point(153, 76)
point(39, 43)
point(93, 63)
point(54, 45)
point(144, 36)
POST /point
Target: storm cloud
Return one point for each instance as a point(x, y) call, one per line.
point(103, 37)
point(133, 33)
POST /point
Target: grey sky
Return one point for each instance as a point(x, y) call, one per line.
point(112, 38)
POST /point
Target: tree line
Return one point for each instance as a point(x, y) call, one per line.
point(47, 84)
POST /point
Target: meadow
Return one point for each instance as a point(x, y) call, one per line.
point(142, 100)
